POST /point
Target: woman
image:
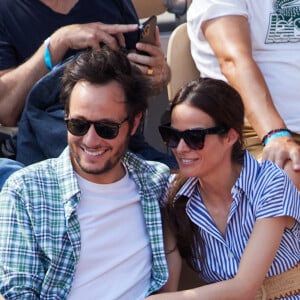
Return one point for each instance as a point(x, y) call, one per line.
point(235, 221)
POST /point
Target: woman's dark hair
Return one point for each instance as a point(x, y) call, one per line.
point(220, 101)
point(224, 105)
point(189, 242)
point(101, 67)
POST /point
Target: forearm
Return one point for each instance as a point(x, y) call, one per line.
point(19, 264)
point(15, 86)
point(174, 269)
point(225, 290)
point(173, 258)
point(245, 76)
point(230, 39)
point(164, 77)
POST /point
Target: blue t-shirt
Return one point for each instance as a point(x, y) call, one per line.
point(25, 24)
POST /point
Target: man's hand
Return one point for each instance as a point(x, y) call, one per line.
point(285, 152)
point(282, 149)
point(90, 35)
point(154, 65)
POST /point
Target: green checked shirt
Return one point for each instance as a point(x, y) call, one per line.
point(40, 233)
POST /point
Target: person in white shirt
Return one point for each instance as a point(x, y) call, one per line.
point(254, 45)
point(87, 225)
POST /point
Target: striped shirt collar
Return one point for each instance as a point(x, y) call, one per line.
point(243, 184)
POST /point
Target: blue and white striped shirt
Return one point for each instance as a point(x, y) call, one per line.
point(261, 191)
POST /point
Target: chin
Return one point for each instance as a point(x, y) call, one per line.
point(91, 168)
point(188, 172)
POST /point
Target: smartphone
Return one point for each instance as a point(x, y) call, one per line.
point(146, 34)
point(147, 31)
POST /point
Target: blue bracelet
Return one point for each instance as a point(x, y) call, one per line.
point(47, 55)
point(285, 132)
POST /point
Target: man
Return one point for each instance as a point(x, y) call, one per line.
point(87, 224)
point(35, 37)
point(255, 45)
point(71, 25)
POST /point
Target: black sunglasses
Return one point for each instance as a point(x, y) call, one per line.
point(105, 129)
point(194, 138)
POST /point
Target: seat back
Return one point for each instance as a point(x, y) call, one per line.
point(147, 8)
point(179, 58)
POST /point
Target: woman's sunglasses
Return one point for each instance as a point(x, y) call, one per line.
point(194, 138)
point(105, 129)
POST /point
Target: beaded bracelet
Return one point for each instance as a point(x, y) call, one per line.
point(47, 55)
point(275, 133)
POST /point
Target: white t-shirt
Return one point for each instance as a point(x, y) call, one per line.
point(275, 35)
point(115, 259)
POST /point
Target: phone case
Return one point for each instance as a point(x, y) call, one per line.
point(147, 31)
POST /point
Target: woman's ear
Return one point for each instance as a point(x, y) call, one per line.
point(136, 123)
point(232, 136)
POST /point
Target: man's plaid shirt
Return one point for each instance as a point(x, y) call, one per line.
point(40, 234)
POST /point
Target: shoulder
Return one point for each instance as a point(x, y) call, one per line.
point(262, 177)
point(276, 184)
point(149, 170)
point(272, 174)
point(134, 161)
point(44, 173)
point(37, 173)
point(273, 193)
point(7, 9)
point(6, 4)
point(29, 187)
point(205, 10)
point(13, 7)
point(215, 8)
point(43, 184)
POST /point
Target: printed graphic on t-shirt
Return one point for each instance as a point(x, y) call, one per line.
point(284, 25)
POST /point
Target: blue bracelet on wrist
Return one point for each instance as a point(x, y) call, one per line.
point(47, 55)
point(275, 134)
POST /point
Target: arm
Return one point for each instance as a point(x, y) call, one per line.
point(20, 268)
point(156, 61)
point(255, 262)
point(230, 40)
point(173, 260)
point(16, 83)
